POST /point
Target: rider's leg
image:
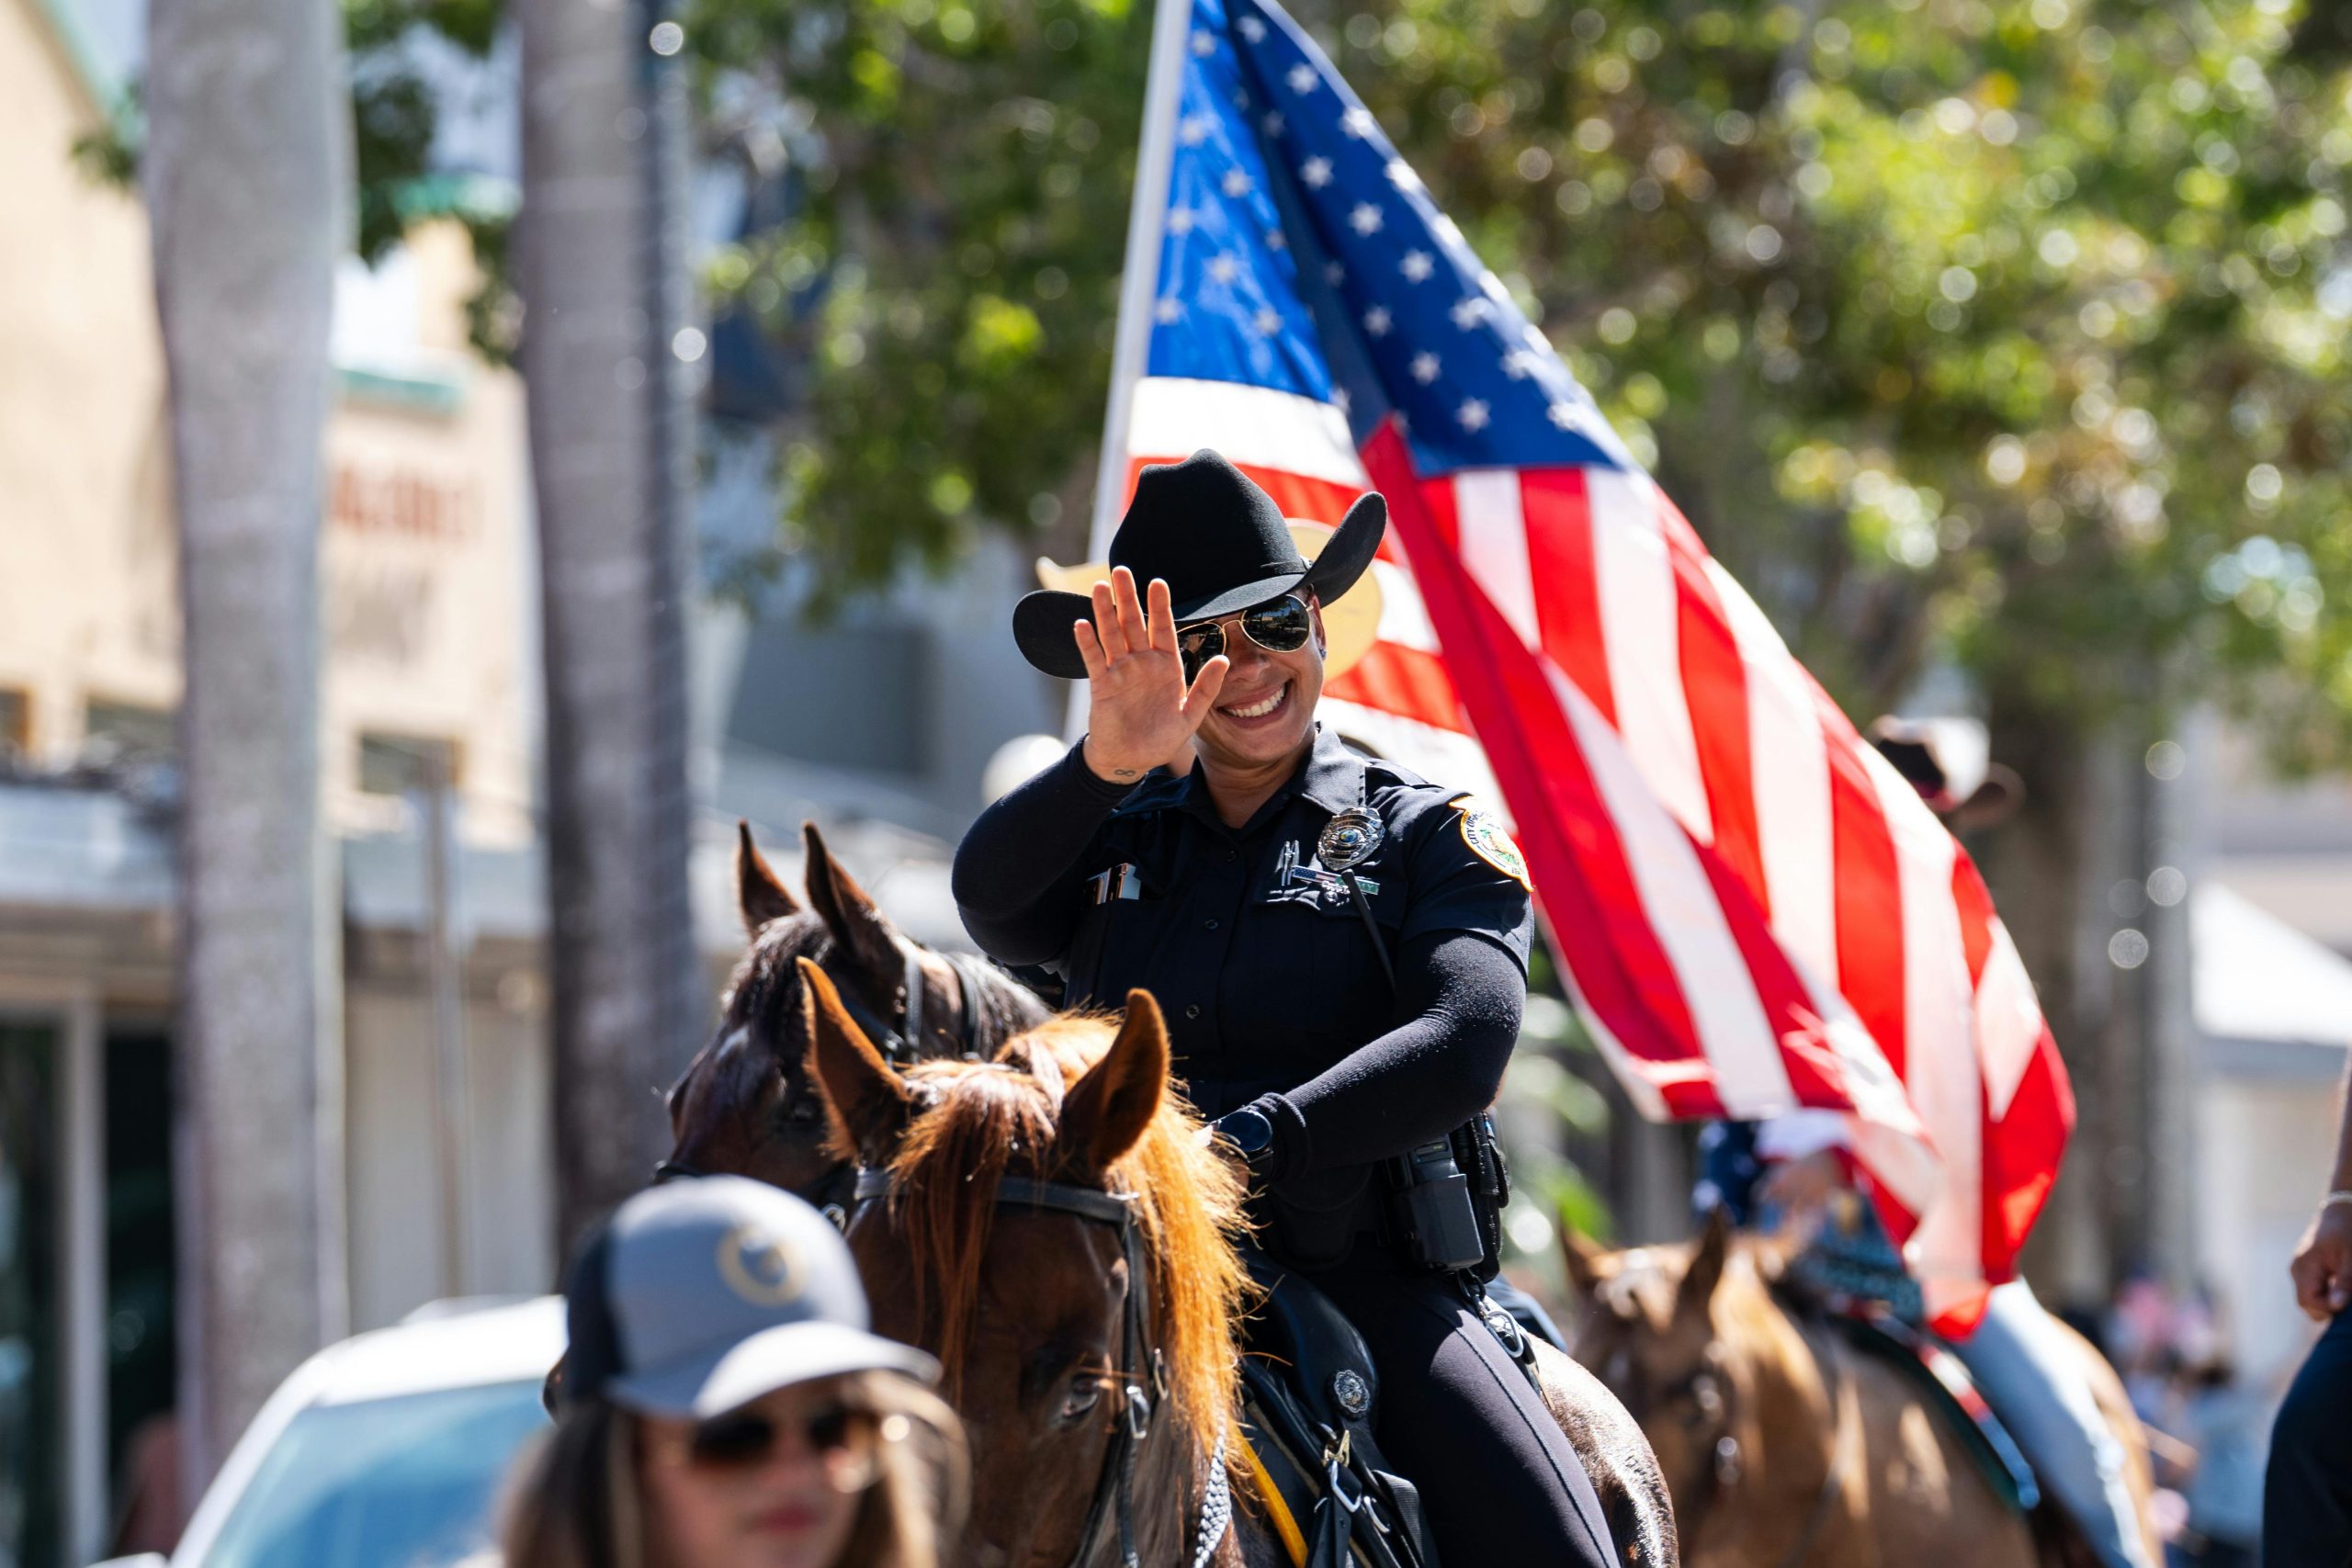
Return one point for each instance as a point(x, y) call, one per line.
point(2307, 1492)
point(2031, 1373)
point(1497, 1479)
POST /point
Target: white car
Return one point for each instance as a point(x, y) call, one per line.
point(389, 1450)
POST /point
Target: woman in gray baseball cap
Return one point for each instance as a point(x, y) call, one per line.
point(724, 1405)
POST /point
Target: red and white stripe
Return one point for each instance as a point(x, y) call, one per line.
point(1755, 913)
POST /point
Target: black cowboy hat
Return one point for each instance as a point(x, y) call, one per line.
point(1221, 544)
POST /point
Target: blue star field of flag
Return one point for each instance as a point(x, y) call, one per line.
point(1300, 252)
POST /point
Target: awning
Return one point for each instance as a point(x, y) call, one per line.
point(2269, 999)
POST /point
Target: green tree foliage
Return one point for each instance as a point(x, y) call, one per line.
point(2010, 332)
point(951, 279)
point(393, 117)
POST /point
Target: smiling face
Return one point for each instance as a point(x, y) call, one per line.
point(1265, 714)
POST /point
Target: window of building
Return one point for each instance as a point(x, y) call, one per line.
point(399, 765)
point(130, 732)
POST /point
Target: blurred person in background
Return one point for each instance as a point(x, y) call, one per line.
point(1794, 1174)
point(2224, 1422)
point(723, 1406)
point(2307, 1492)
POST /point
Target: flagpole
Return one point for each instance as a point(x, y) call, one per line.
point(1131, 345)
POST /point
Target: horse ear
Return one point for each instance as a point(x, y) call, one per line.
point(1107, 1111)
point(1706, 1271)
point(870, 1103)
point(763, 897)
point(851, 916)
point(1588, 1263)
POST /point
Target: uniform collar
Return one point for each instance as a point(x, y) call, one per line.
point(1331, 776)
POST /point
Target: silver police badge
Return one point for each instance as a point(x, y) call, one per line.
point(1349, 838)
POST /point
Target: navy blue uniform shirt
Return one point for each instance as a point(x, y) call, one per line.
point(1257, 955)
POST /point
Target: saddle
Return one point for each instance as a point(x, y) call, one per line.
point(1309, 1395)
point(1951, 1392)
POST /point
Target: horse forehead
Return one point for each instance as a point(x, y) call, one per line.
point(1037, 1257)
point(1643, 1288)
point(736, 1068)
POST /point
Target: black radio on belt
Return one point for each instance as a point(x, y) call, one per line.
point(1446, 1199)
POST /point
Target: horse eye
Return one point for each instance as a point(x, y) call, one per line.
point(1085, 1392)
point(803, 1109)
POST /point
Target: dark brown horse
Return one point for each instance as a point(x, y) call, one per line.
point(744, 1105)
point(1049, 1319)
point(1784, 1444)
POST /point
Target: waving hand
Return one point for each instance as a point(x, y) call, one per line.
point(1139, 711)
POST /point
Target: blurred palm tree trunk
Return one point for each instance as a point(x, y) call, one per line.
point(599, 282)
point(246, 174)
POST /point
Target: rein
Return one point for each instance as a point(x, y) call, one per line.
point(1115, 1488)
point(1723, 1472)
point(902, 1047)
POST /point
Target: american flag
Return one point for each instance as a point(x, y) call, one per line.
point(1755, 913)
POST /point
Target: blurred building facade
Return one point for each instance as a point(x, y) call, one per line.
point(431, 659)
point(2271, 960)
point(876, 725)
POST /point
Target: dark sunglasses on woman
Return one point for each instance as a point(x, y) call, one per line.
point(1279, 626)
point(845, 1441)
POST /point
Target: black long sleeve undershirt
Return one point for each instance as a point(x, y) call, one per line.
point(1459, 994)
point(1016, 872)
point(1458, 1001)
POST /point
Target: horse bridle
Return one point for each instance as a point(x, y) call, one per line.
point(1726, 1458)
point(901, 1047)
point(1115, 1488)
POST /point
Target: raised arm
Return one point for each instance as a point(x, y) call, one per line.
point(1017, 870)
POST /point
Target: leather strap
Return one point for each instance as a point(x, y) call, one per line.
point(1113, 1500)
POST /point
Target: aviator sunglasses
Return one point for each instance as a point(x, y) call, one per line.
point(845, 1441)
point(1279, 626)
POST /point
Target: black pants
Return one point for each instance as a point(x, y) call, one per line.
point(2307, 1492)
point(1498, 1479)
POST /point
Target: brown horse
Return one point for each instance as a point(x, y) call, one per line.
point(1047, 1318)
point(1785, 1445)
point(744, 1105)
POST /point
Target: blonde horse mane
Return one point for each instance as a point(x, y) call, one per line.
point(979, 1122)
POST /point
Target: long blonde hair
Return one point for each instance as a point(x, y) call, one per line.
point(575, 1502)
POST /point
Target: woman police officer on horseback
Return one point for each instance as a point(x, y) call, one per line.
point(1340, 949)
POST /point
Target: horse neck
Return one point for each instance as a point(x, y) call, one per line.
point(1169, 1483)
point(1000, 1009)
point(1171, 1478)
point(1786, 1416)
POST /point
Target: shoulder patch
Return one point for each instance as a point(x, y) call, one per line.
point(1487, 839)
